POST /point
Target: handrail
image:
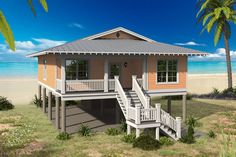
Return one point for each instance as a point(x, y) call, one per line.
point(135, 86)
point(120, 91)
point(168, 120)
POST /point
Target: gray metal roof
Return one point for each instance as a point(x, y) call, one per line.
point(118, 46)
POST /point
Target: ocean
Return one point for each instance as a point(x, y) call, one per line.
point(29, 69)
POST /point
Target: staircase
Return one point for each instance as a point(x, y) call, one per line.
point(136, 108)
point(133, 98)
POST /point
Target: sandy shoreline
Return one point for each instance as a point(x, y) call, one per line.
point(22, 90)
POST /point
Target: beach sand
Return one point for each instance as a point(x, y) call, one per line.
point(18, 90)
point(204, 83)
point(22, 90)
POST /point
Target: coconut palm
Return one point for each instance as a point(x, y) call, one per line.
point(5, 29)
point(218, 14)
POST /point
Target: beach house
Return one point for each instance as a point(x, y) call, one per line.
point(117, 64)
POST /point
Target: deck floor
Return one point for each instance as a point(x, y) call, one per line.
point(89, 113)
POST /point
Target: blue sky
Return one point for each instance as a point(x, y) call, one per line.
point(170, 22)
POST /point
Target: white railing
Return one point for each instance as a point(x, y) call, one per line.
point(131, 112)
point(111, 84)
point(168, 120)
point(84, 85)
point(121, 93)
point(140, 82)
point(58, 84)
point(149, 114)
point(135, 87)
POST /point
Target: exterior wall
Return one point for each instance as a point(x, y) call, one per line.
point(58, 68)
point(96, 68)
point(123, 35)
point(152, 73)
point(51, 70)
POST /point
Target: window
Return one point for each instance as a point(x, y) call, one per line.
point(44, 69)
point(76, 69)
point(167, 71)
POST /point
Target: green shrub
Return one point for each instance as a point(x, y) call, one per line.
point(146, 142)
point(5, 104)
point(84, 130)
point(37, 101)
point(215, 92)
point(189, 137)
point(129, 138)
point(123, 126)
point(165, 141)
point(211, 134)
point(179, 97)
point(63, 136)
point(112, 131)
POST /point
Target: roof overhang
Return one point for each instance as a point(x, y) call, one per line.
point(114, 53)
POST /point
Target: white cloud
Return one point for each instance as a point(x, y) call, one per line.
point(218, 55)
point(25, 47)
point(190, 43)
point(77, 25)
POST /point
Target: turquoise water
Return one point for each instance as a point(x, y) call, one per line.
point(29, 69)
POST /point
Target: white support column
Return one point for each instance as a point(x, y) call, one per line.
point(158, 107)
point(50, 105)
point(157, 133)
point(137, 116)
point(63, 116)
point(63, 76)
point(137, 132)
point(184, 108)
point(57, 113)
point(144, 75)
point(134, 77)
point(178, 132)
point(44, 100)
point(106, 75)
point(39, 92)
point(128, 129)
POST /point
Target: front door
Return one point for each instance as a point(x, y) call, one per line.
point(114, 70)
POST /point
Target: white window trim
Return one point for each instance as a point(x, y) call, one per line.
point(77, 68)
point(44, 69)
point(177, 81)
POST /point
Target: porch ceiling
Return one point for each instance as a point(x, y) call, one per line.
point(118, 47)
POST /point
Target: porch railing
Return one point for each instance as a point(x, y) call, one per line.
point(84, 85)
point(111, 84)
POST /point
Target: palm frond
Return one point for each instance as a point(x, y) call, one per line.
point(6, 32)
point(31, 5)
point(218, 32)
point(206, 17)
point(44, 4)
point(227, 30)
point(204, 5)
point(211, 24)
point(226, 11)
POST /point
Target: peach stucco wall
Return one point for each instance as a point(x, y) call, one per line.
point(152, 73)
point(51, 70)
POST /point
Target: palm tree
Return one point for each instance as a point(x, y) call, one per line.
point(218, 14)
point(5, 29)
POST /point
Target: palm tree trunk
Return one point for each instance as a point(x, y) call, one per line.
point(228, 60)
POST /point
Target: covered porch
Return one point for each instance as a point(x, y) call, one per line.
point(76, 73)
